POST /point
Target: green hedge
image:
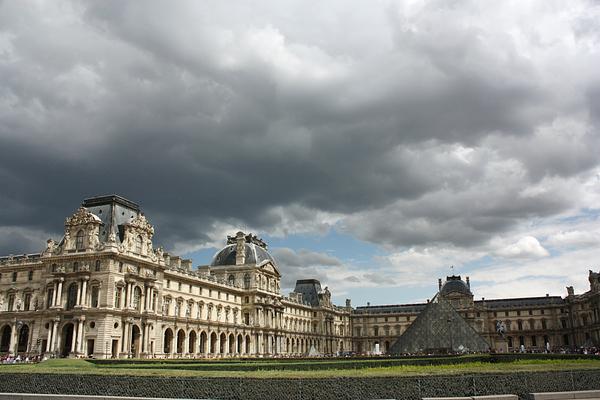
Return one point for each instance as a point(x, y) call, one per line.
point(325, 363)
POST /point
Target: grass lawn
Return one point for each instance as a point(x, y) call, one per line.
point(268, 368)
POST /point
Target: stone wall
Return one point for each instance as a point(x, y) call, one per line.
point(329, 388)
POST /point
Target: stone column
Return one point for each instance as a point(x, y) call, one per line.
point(59, 297)
point(173, 346)
point(73, 348)
point(55, 294)
point(13, 339)
point(58, 301)
point(84, 293)
point(186, 344)
point(126, 296)
point(126, 348)
point(80, 289)
point(54, 333)
point(80, 336)
point(49, 338)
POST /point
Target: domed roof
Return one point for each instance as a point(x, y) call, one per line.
point(254, 255)
point(455, 285)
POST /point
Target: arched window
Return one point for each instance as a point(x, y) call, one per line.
point(138, 244)
point(247, 281)
point(72, 296)
point(137, 296)
point(79, 240)
point(231, 280)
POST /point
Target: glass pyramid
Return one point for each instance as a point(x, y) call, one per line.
point(439, 329)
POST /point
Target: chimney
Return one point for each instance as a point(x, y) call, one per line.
point(439, 283)
point(240, 249)
point(468, 283)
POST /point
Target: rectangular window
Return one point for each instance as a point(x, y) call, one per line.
point(95, 296)
point(27, 302)
point(11, 302)
point(30, 276)
point(49, 298)
point(168, 283)
point(533, 341)
point(14, 276)
point(179, 286)
point(118, 298)
point(247, 318)
point(190, 288)
point(120, 267)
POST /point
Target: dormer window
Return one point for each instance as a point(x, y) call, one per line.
point(79, 240)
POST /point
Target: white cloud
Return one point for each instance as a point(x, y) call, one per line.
point(526, 247)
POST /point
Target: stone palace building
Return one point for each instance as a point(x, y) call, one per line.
point(105, 291)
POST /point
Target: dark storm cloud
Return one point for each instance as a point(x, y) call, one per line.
point(303, 264)
point(414, 128)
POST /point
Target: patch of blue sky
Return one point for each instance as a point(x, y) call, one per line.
point(585, 214)
point(202, 256)
point(345, 247)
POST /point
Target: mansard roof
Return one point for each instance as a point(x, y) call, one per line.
point(521, 302)
point(390, 309)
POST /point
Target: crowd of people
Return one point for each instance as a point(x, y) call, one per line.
point(18, 359)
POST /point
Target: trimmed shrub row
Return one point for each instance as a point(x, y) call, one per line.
point(324, 364)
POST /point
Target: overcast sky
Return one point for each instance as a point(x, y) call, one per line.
point(372, 143)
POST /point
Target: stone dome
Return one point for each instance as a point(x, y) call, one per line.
point(455, 285)
point(255, 255)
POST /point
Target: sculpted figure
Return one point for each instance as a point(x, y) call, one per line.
point(500, 328)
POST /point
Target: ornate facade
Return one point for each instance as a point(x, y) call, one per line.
point(104, 290)
point(530, 323)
